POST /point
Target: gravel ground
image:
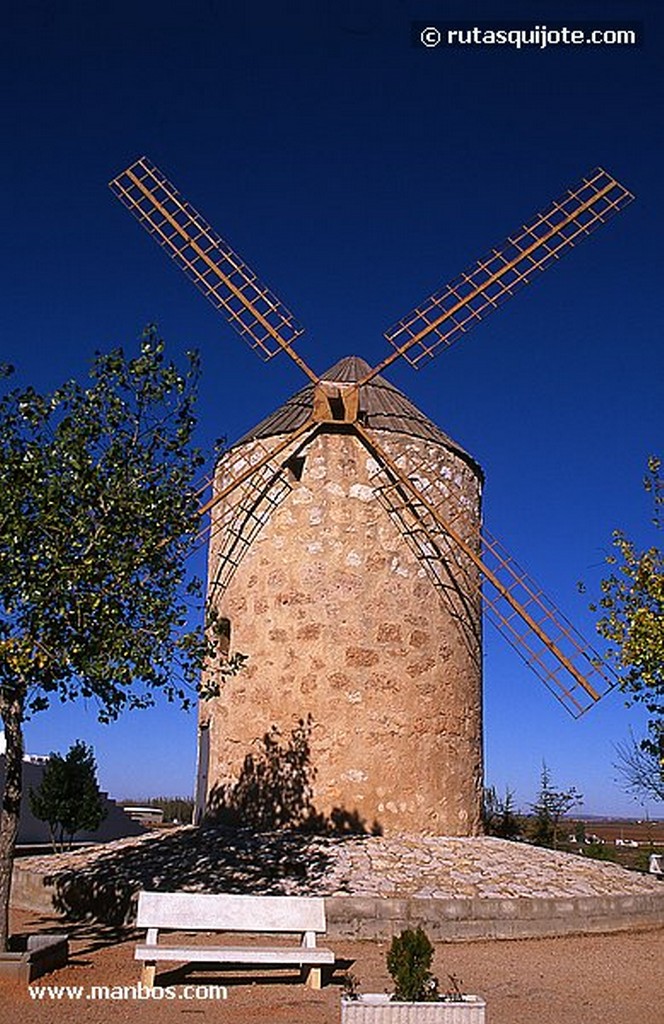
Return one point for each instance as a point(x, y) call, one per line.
point(598, 979)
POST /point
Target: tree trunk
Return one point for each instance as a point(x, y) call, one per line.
point(11, 711)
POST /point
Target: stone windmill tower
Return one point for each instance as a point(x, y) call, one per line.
point(346, 630)
point(348, 561)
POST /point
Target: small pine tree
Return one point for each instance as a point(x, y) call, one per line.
point(409, 961)
point(549, 809)
point(499, 816)
point(68, 798)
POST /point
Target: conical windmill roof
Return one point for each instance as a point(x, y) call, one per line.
point(384, 407)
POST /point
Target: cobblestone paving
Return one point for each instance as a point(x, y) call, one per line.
point(221, 860)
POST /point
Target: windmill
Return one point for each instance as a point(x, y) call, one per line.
point(348, 557)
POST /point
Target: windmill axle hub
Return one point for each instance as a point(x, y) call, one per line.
point(335, 402)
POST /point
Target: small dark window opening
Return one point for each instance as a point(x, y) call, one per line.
point(295, 466)
point(337, 407)
point(224, 626)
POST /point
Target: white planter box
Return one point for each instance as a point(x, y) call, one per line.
point(378, 1009)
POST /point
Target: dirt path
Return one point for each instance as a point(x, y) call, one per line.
point(600, 979)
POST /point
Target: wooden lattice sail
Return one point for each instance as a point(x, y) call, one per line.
point(454, 310)
point(519, 608)
point(218, 272)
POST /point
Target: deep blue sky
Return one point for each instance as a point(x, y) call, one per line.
point(357, 174)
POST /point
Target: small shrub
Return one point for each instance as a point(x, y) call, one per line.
point(600, 851)
point(642, 859)
point(454, 993)
point(409, 961)
point(350, 985)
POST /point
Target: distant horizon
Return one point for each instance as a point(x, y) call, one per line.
point(520, 810)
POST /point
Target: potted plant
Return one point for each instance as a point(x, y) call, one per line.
point(417, 998)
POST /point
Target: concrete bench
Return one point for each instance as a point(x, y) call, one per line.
point(199, 912)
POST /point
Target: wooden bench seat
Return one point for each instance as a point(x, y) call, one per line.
point(203, 912)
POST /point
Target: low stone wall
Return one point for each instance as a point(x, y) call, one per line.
point(32, 957)
point(454, 920)
point(30, 891)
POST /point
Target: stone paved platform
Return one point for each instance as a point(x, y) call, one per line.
point(496, 876)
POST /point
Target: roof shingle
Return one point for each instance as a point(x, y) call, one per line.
point(384, 408)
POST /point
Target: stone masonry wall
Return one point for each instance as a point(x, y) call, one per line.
point(360, 702)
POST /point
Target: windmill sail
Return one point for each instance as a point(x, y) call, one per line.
point(520, 609)
point(580, 677)
point(218, 272)
point(450, 313)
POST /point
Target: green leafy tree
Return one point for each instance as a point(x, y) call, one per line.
point(98, 514)
point(68, 797)
point(631, 607)
point(550, 808)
